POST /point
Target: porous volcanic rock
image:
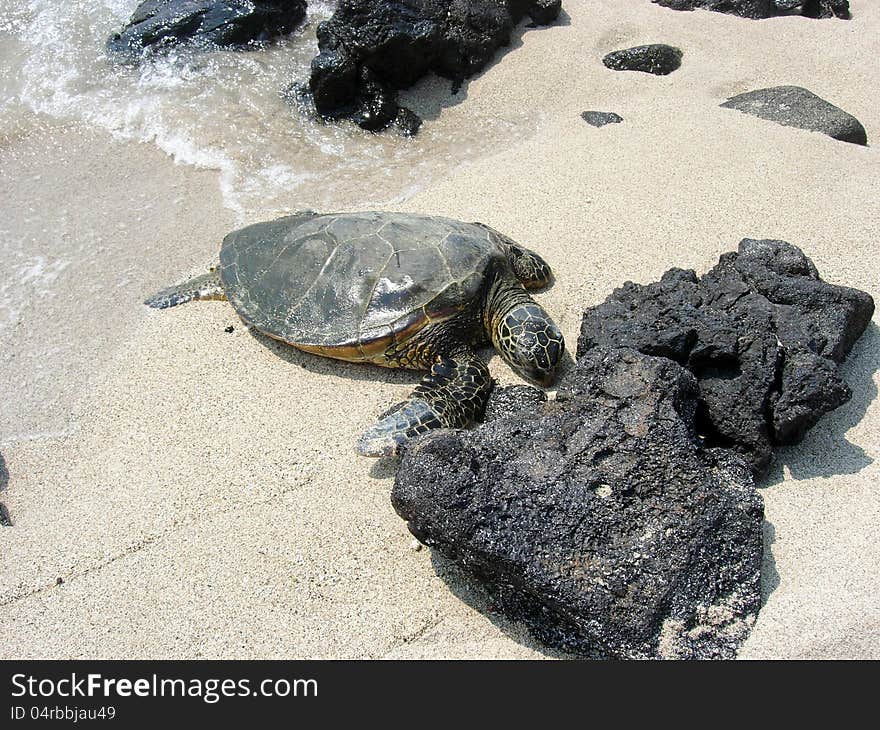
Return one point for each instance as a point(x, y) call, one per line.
point(759, 9)
point(656, 58)
point(159, 24)
point(600, 119)
point(599, 520)
point(371, 48)
point(794, 106)
point(506, 400)
point(761, 332)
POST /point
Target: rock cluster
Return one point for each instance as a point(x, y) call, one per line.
point(759, 9)
point(761, 332)
point(371, 48)
point(621, 519)
point(156, 25)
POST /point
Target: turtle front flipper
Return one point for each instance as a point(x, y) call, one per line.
point(452, 395)
point(206, 286)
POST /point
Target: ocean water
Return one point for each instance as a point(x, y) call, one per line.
point(75, 267)
point(225, 110)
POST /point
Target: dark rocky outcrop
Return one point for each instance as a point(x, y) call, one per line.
point(759, 9)
point(598, 519)
point(657, 58)
point(156, 25)
point(600, 119)
point(793, 106)
point(371, 48)
point(761, 332)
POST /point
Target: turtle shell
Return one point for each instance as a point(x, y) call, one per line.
point(349, 285)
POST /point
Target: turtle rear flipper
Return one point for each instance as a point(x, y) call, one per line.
point(206, 286)
point(452, 395)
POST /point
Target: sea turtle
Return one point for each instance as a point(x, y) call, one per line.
point(393, 289)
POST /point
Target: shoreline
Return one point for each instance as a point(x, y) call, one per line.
point(208, 502)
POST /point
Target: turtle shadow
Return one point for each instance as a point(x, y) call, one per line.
point(368, 371)
point(474, 594)
point(329, 366)
point(429, 96)
point(825, 452)
point(5, 519)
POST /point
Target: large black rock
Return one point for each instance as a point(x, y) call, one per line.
point(159, 24)
point(598, 519)
point(761, 332)
point(371, 48)
point(794, 106)
point(759, 9)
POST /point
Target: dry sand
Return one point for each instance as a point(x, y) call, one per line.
point(204, 500)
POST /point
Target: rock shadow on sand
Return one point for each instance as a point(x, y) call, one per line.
point(432, 94)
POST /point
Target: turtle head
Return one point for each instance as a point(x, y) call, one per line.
point(528, 340)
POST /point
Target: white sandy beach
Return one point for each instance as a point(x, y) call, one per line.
point(178, 491)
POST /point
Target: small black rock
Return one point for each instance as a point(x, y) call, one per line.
point(600, 119)
point(407, 121)
point(228, 329)
point(657, 58)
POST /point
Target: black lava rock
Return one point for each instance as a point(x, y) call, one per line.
point(657, 58)
point(759, 9)
point(505, 401)
point(371, 48)
point(826, 9)
point(159, 24)
point(407, 121)
point(600, 521)
point(793, 106)
point(600, 119)
point(761, 332)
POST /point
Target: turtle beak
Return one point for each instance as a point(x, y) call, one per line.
point(543, 378)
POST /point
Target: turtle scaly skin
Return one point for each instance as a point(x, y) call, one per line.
point(396, 290)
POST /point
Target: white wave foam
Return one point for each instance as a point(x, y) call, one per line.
point(222, 111)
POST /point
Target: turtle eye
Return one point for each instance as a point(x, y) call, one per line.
point(531, 270)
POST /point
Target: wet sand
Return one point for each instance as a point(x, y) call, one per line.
point(196, 491)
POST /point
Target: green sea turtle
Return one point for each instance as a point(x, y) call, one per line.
point(393, 289)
